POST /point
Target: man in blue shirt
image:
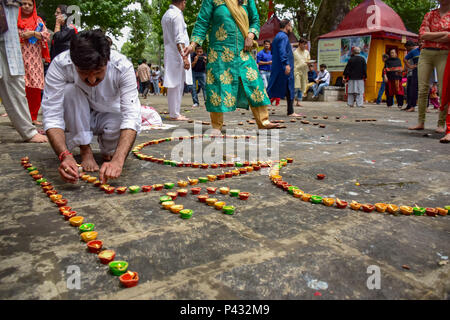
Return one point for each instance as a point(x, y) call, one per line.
point(264, 60)
point(412, 88)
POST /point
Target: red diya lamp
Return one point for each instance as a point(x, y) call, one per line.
point(97, 183)
point(55, 197)
point(320, 176)
point(203, 198)
point(223, 165)
point(196, 191)
point(221, 176)
point(121, 190)
point(290, 160)
point(95, 246)
point(182, 192)
point(65, 208)
point(147, 188)
point(45, 184)
point(158, 187)
point(173, 195)
point(106, 256)
point(25, 159)
point(244, 196)
point(230, 165)
point(69, 214)
point(286, 187)
point(129, 279)
point(228, 175)
point(37, 176)
point(211, 190)
point(188, 165)
point(214, 166)
point(243, 170)
point(196, 165)
point(154, 160)
point(205, 166)
point(341, 204)
point(61, 202)
point(47, 188)
point(160, 161)
point(246, 164)
point(27, 165)
point(431, 212)
point(368, 208)
point(110, 190)
point(103, 187)
point(180, 164)
point(51, 192)
point(442, 211)
point(257, 168)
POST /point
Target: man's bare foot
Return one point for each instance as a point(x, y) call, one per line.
point(440, 130)
point(411, 110)
point(180, 118)
point(418, 127)
point(87, 160)
point(272, 125)
point(38, 138)
point(295, 115)
point(446, 139)
point(4, 115)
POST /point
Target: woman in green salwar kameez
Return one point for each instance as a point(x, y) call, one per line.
point(232, 77)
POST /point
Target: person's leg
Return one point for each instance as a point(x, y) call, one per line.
point(194, 89)
point(34, 102)
point(400, 100)
point(350, 99)
point(321, 89)
point(106, 126)
point(381, 92)
point(172, 98)
point(289, 100)
point(441, 62)
point(216, 120)
point(156, 86)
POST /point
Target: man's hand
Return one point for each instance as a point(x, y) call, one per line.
point(110, 170)
point(287, 70)
point(189, 49)
point(27, 35)
point(187, 65)
point(68, 170)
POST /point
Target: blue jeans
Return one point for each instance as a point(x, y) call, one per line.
point(201, 78)
point(299, 94)
point(381, 92)
point(318, 88)
point(265, 75)
point(156, 86)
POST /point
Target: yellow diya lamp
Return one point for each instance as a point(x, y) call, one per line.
point(193, 182)
point(55, 197)
point(219, 205)
point(328, 201)
point(166, 205)
point(381, 207)
point(85, 177)
point(355, 205)
point(298, 193)
point(235, 172)
point(250, 169)
point(176, 208)
point(89, 236)
point(442, 211)
point(76, 221)
point(183, 184)
point(392, 208)
point(212, 177)
point(224, 190)
point(92, 179)
point(211, 201)
point(406, 210)
point(306, 197)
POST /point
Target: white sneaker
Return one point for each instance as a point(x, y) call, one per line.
point(195, 105)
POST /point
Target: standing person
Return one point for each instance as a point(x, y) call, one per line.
point(264, 61)
point(91, 90)
point(143, 72)
point(155, 80)
point(355, 73)
point(383, 83)
point(434, 33)
point(63, 32)
point(434, 98)
point(34, 46)
point(412, 87)
point(445, 100)
point(301, 60)
point(178, 66)
point(393, 77)
point(232, 78)
point(281, 82)
point(198, 74)
point(12, 83)
point(322, 81)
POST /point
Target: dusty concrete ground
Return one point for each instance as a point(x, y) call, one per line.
point(274, 247)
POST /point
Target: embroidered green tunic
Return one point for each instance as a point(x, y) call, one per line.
point(232, 77)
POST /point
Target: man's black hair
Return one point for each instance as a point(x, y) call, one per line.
point(410, 43)
point(63, 8)
point(284, 23)
point(323, 65)
point(90, 50)
point(267, 41)
point(144, 60)
point(177, 1)
point(302, 40)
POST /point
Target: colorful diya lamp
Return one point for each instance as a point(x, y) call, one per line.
point(134, 189)
point(118, 268)
point(69, 214)
point(392, 208)
point(211, 201)
point(306, 197)
point(183, 184)
point(235, 193)
point(298, 193)
point(106, 256)
point(230, 210)
point(61, 202)
point(173, 195)
point(193, 182)
point(64, 209)
point(165, 199)
point(224, 190)
point(129, 279)
point(381, 207)
point(405, 210)
point(203, 179)
point(244, 196)
point(196, 191)
point(418, 211)
point(442, 211)
point(221, 176)
point(211, 190)
point(186, 213)
point(95, 246)
point(228, 175)
point(166, 205)
point(368, 208)
point(341, 204)
point(169, 185)
point(121, 190)
point(182, 192)
point(158, 187)
point(87, 227)
point(329, 202)
point(219, 205)
point(431, 212)
point(89, 236)
point(76, 221)
point(203, 198)
point(212, 178)
point(355, 205)
point(176, 208)
point(110, 190)
point(316, 199)
point(321, 176)
point(147, 188)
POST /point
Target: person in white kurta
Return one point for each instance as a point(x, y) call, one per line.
point(177, 67)
point(109, 109)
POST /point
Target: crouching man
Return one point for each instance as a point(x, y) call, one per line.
point(91, 90)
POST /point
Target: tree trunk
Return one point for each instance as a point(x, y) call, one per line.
point(330, 15)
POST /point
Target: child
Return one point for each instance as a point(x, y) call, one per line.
point(434, 98)
point(162, 89)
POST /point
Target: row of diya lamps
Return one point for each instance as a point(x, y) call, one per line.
point(119, 268)
point(277, 179)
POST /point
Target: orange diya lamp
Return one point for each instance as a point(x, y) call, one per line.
point(89, 236)
point(55, 197)
point(106, 256)
point(69, 214)
point(224, 190)
point(76, 221)
point(168, 204)
point(355, 205)
point(176, 208)
point(381, 207)
point(212, 177)
point(442, 211)
point(298, 193)
point(65, 208)
point(392, 208)
point(183, 184)
point(211, 201)
point(368, 207)
point(306, 197)
point(173, 195)
point(406, 210)
point(219, 205)
point(328, 202)
point(193, 182)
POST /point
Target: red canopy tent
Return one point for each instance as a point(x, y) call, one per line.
point(270, 29)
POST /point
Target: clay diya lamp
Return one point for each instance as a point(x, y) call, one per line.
point(167, 204)
point(289, 160)
point(291, 189)
point(203, 179)
point(182, 192)
point(447, 208)
point(106, 256)
point(110, 190)
point(196, 165)
point(76, 221)
point(89, 236)
point(203, 198)
point(63, 209)
point(320, 176)
point(47, 188)
point(249, 169)
point(165, 199)
point(442, 211)
point(316, 199)
point(230, 165)
point(193, 182)
point(281, 183)
point(368, 208)
point(211, 201)
point(158, 187)
point(306, 197)
point(129, 279)
point(46, 184)
point(31, 169)
point(405, 210)
point(97, 183)
point(419, 211)
point(286, 187)
point(214, 166)
point(205, 166)
point(61, 202)
point(298, 193)
point(219, 205)
point(341, 204)
point(223, 165)
point(38, 182)
point(51, 193)
point(173, 195)
point(95, 246)
point(236, 173)
point(235, 193)
point(92, 179)
point(328, 202)
point(224, 190)
point(211, 190)
point(37, 176)
point(27, 165)
point(103, 187)
point(85, 177)
point(121, 190)
point(221, 176)
point(87, 227)
point(118, 268)
point(355, 205)
point(392, 208)
point(431, 212)
point(238, 164)
point(186, 213)
point(212, 178)
point(183, 184)
point(69, 214)
point(176, 208)
point(196, 191)
point(169, 186)
point(244, 196)
point(246, 164)
point(188, 165)
point(167, 162)
point(230, 210)
point(228, 175)
point(147, 188)
point(381, 207)
point(257, 168)
point(160, 161)
point(25, 159)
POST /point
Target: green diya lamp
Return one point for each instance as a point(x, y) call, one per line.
point(316, 199)
point(235, 193)
point(31, 169)
point(230, 210)
point(169, 186)
point(238, 164)
point(167, 162)
point(134, 189)
point(165, 199)
point(292, 188)
point(87, 227)
point(118, 268)
point(203, 179)
point(419, 211)
point(186, 213)
point(38, 182)
point(447, 208)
